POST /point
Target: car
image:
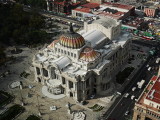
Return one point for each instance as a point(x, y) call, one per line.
point(134, 88)
point(149, 68)
point(147, 65)
point(119, 93)
point(126, 113)
point(132, 97)
point(136, 100)
point(126, 95)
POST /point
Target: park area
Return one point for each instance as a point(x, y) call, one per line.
point(12, 112)
point(5, 98)
point(33, 117)
point(122, 75)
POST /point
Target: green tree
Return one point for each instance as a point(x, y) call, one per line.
point(36, 22)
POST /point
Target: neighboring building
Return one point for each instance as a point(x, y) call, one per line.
point(113, 10)
point(82, 64)
point(150, 12)
point(148, 105)
point(128, 9)
point(85, 11)
point(101, 1)
point(95, 1)
point(63, 6)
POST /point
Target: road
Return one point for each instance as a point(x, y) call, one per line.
point(52, 15)
point(122, 104)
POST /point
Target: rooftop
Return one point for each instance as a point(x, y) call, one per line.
point(86, 10)
point(117, 15)
point(91, 5)
point(152, 85)
point(154, 93)
point(106, 22)
point(118, 5)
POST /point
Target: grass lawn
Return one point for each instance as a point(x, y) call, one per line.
point(5, 98)
point(12, 112)
point(122, 75)
point(33, 117)
point(96, 108)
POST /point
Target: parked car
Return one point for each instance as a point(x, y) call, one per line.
point(132, 97)
point(134, 88)
point(126, 113)
point(126, 95)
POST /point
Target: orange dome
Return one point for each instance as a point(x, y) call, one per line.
point(88, 54)
point(72, 39)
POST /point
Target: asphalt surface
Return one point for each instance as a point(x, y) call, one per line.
point(121, 105)
point(52, 15)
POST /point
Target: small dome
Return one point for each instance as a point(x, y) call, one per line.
point(72, 39)
point(53, 44)
point(89, 55)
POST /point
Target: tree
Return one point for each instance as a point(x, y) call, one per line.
point(36, 22)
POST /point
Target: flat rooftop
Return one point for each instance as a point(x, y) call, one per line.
point(118, 15)
point(155, 90)
point(118, 5)
point(86, 10)
point(153, 84)
point(91, 5)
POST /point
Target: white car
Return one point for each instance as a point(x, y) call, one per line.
point(126, 95)
point(132, 97)
point(134, 88)
point(147, 66)
point(118, 93)
point(127, 112)
point(136, 100)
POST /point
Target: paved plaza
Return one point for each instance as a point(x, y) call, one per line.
point(35, 101)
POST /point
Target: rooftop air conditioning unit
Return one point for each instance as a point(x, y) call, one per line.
point(151, 96)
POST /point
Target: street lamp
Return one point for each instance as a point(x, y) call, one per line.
point(38, 106)
point(21, 98)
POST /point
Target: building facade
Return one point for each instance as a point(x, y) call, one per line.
point(63, 6)
point(82, 64)
point(148, 104)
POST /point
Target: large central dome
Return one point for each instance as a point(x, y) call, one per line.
point(72, 39)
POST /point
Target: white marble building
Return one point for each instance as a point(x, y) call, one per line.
point(82, 64)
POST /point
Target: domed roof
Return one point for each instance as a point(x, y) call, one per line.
point(72, 39)
point(89, 55)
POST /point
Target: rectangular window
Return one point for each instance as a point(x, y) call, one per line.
point(87, 83)
point(75, 55)
point(64, 52)
point(69, 53)
point(58, 50)
point(79, 14)
point(61, 51)
point(72, 54)
point(70, 84)
point(63, 80)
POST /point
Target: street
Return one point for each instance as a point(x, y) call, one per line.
point(122, 104)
